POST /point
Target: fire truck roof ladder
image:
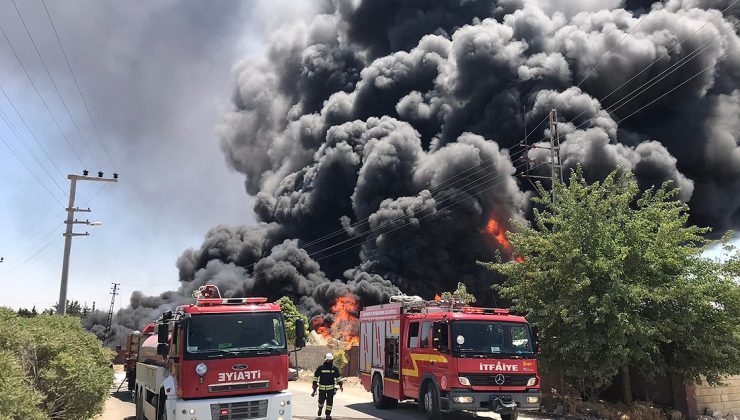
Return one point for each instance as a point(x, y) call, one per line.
point(417, 304)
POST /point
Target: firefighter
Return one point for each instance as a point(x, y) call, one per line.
point(325, 379)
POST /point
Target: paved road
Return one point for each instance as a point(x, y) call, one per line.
point(353, 404)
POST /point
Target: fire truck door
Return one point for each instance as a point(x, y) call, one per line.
point(410, 368)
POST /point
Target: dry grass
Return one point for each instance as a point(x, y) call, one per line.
point(572, 406)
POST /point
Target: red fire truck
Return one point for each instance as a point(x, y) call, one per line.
point(217, 359)
point(449, 357)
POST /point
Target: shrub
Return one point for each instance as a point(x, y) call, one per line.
point(64, 364)
point(18, 400)
point(340, 358)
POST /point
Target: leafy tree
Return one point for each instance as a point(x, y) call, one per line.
point(64, 364)
point(25, 313)
point(614, 278)
point(461, 294)
point(289, 310)
point(73, 309)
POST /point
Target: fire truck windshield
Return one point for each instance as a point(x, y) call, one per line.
point(491, 339)
point(235, 335)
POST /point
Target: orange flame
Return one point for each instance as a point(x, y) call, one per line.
point(498, 233)
point(345, 325)
point(437, 298)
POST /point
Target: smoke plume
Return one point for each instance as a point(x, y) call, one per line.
point(379, 138)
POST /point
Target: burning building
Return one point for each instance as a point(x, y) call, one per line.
point(382, 139)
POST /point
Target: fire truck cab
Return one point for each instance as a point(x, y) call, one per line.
point(217, 359)
point(449, 357)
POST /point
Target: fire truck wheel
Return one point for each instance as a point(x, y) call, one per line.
point(430, 401)
point(512, 416)
point(380, 400)
point(139, 406)
point(161, 412)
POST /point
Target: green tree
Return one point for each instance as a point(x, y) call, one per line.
point(25, 313)
point(289, 310)
point(64, 364)
point(461, 294)
point(615, 279)
point(73, 308)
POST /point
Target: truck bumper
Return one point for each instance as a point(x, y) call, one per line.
point(276, 406)
point(498, 402)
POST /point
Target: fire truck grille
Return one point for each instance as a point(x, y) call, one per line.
point(240, 410)
point(487, 379)
point(238, 386)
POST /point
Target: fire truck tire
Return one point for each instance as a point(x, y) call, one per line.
point(161, 412)
point(379, 400)
point(430, 401)
point(512, 416)
point(139, 405)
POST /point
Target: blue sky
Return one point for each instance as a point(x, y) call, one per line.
point(157, 78)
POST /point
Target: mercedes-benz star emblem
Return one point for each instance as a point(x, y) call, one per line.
point(239, 367)
point(500, 379)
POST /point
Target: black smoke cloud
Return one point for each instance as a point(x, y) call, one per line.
point(394, 128)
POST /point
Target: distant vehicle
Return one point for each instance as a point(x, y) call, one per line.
point(220, 358)
point(448, 356)
point(131, 355)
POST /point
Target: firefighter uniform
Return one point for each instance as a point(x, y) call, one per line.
point(325, 379)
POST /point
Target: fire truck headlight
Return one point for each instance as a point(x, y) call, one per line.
point(463, 381)
point(464, 399)
point(533, 400)
point(201, 369)
point(532, 381)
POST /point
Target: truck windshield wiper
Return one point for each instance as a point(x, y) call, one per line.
point(218, 352)
point(258, 350)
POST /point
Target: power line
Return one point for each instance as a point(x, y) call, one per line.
point(601, 58)
point(29, 169)
point(56, 88)
point(38, 93)
point(77, 85)
point(7, 122)
point(446, 183)
point(678, 86)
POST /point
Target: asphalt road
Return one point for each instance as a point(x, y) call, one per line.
point(353, 404)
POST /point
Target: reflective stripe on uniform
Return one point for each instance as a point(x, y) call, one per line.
point(325, 387)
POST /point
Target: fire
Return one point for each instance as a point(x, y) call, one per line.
point(437, 298)
point(345, 325)
point(498, 233)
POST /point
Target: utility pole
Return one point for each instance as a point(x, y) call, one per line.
point(113, 293)
point(71, 221)
point(556, 167)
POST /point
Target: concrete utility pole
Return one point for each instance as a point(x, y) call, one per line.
point(71, 209)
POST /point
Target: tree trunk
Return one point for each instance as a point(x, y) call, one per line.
point(626, 386)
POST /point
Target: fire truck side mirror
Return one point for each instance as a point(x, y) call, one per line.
point(536, 339)
point(163, 349)
point(163, 333)
point(300, 333)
